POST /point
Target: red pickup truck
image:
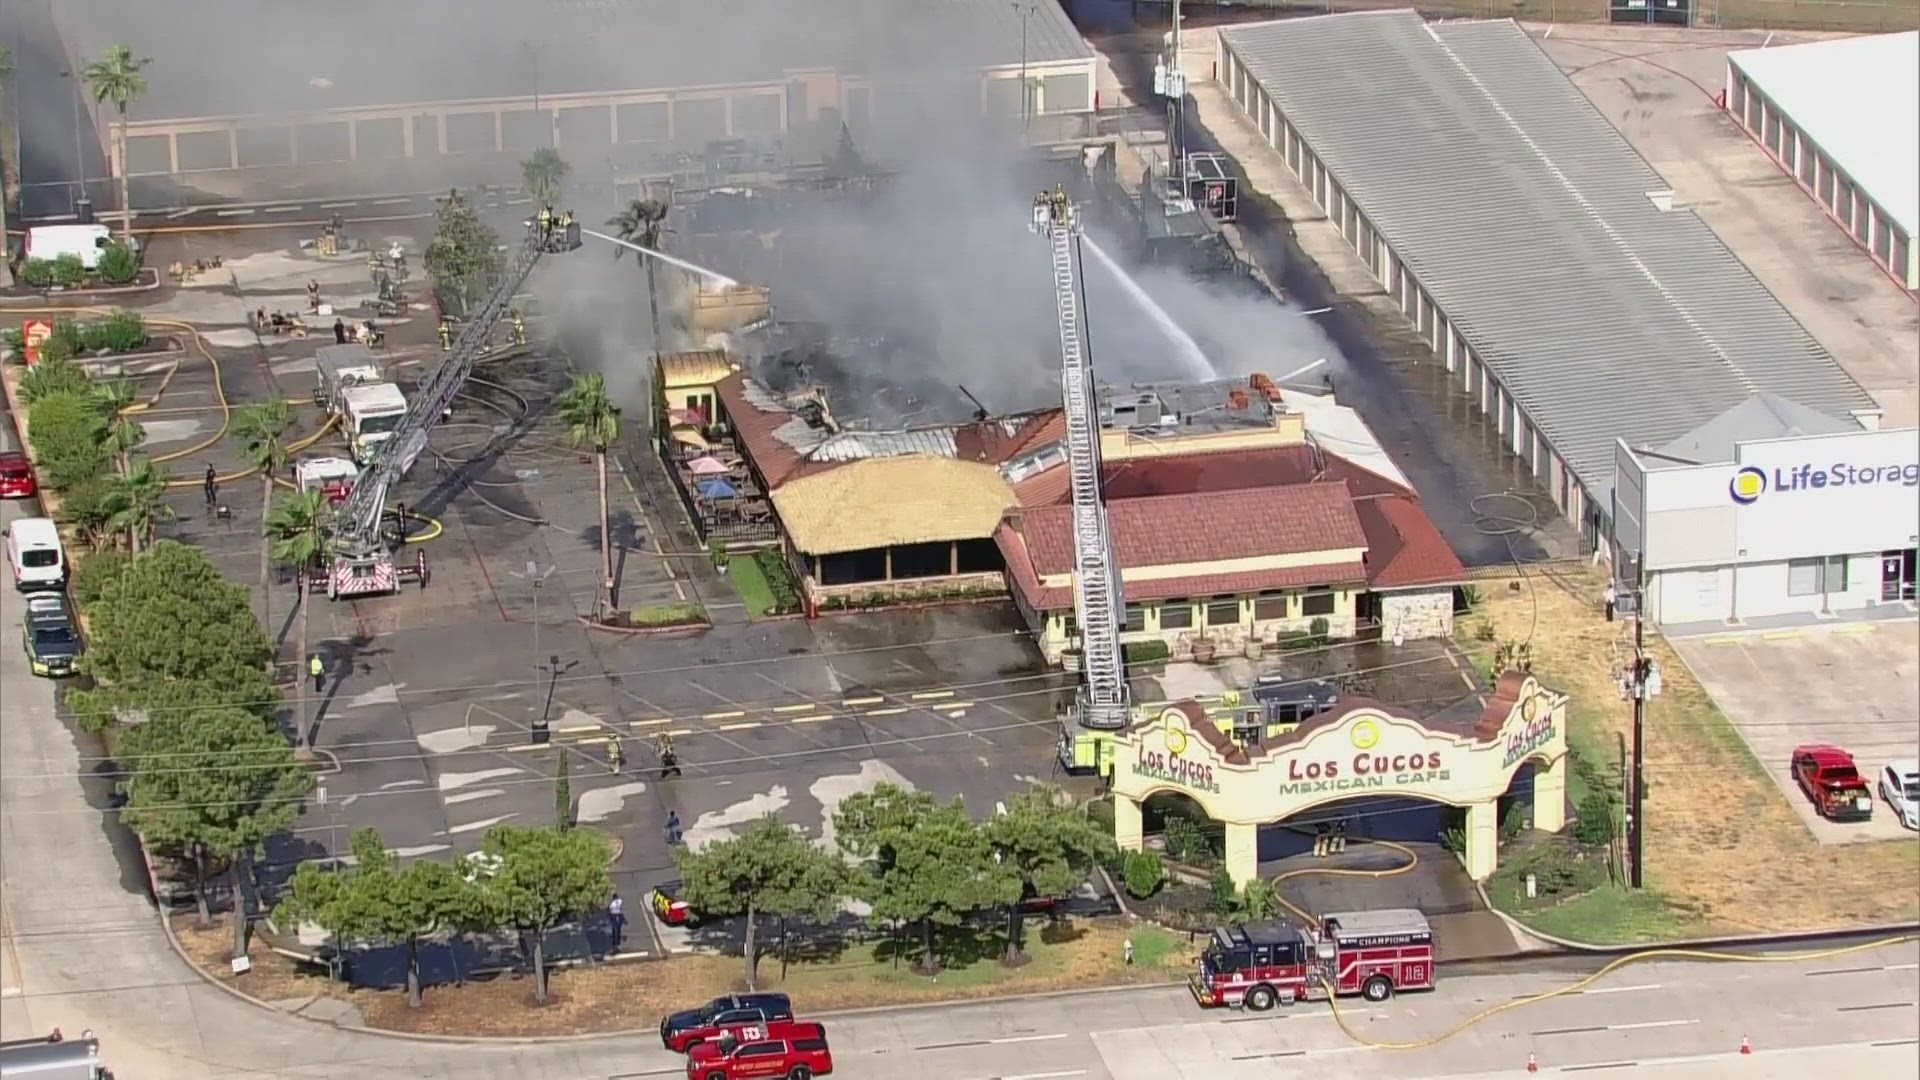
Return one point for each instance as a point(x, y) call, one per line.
point(784, 1050)
point(1828, 777)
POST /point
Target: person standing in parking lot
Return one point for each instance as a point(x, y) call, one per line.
point(617, 922)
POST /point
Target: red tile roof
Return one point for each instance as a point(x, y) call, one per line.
point(1404, 549)
point(1170, 530)
point(1054, 598)
point(754, 427)
point(1220, 470)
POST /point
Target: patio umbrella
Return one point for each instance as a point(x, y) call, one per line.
point(688, 437)
point(707, 465)
point(717, 489)
point(689, 417)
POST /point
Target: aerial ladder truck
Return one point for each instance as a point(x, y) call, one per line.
point(1101, 704)
point(360, 553)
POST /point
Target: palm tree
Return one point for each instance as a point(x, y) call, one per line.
point(262, 430)
point(137, 501)
point(119, 79)
point(543, 173)
point(6, 264)
point(124, 435)
point(593, 419)
point(639, 224)
point(297, 531)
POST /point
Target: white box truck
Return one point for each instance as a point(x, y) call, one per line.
point(351, 387)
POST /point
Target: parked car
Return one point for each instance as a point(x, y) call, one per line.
point(49, 636)
point(669, 908)
point(789, 1050)
point(16, 476)
point(1900, 786)
point(1828, 777)
point(691, 1027)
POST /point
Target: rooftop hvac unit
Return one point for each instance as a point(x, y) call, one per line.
point(1147, 412)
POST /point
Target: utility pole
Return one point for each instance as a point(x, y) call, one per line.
point(1642, 682)
point(1026, 92)
point(1171, 83)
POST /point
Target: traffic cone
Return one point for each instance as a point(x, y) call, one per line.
point(1532, 1065)
point(1746, 1045)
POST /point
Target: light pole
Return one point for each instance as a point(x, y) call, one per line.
point(537, 577)
point(553, 137)
point(1025, 11)
point(79, 157)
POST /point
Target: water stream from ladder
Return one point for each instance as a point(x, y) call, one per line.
point(713, 275)
point(1192, 360)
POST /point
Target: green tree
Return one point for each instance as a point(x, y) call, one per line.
point(136, 502)
point(377, 902)
point(297, 530)
point(53, 376)
point(216, 783)
point(464, 255)
point(592, 419)
point(845, 162)
point(640, 223)
point(171, 616)
point(70, 436)
point(542, 879)
point(124, 434)
point(261, 429)
point(543, 173)
point(770, 869)
point(101, 707)
point(1050, 845)
point(119, 79)
point(931, 864)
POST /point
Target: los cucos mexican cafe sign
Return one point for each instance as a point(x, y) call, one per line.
point(1366, 751)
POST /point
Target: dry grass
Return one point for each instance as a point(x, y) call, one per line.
point(618, 997)
point(1722, 842)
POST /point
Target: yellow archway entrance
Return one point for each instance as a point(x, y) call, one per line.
point(1362, 749)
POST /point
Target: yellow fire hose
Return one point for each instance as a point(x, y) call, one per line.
point(434, 528)
point(1413, 859)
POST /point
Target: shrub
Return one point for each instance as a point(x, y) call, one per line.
point(122, 331)
point(93, 575)
point(68, 432)
point(1187, 841)
point(1155, 651)
point(1559, 870)
point(1517, 816)
point(68, 270)
point(88, 506)
point(717, 549)
point(1593, 819)
point(37, 273)
point(1318, 627)
point(52, 376)
point(68, 335)
point(1142, 873)
point(1222, 897)
point(779, 579)
point(118, 266)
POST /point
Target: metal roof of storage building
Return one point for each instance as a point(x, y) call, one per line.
point(1859, 99)
point(1529, 220)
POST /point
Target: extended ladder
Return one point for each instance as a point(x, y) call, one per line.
point(1098, 591)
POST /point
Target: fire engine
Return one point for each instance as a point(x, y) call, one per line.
point(1369, 953)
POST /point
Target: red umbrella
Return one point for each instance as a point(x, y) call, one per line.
point(706, 465)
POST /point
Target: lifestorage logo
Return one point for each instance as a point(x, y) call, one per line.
point(1748, 485)
point(1750, 482)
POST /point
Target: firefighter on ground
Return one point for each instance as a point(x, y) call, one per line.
point(446, 335)
point(616, 756)
point(519, 328)
point(669, 762)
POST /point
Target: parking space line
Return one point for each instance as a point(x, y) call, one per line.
point(732, 714)
point(527, 748)
point(808, 707)
point(1782, 635)
point(811, 719)
point(681, 731)
point(743, 727)
point(576, 729)
point(280, 209)
point(339, 205)
point(652, 723)
point(874, 700)
point(895, 711)
point(931, 695)
point(231, 213)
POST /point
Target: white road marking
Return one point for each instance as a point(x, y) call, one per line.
point(1045, 1076)
point(733, 714)
point(1902, 967)
point(476, 826)
point(231, 213)
point(741, 727)
point(875, 700)
point(339, 205)
point(1650, 1024)
point(280, 209)
point(933, 695)
point(178, 214)
point(390, 202)
point(808, 707)
point(1622, 989)
point(1033, 1038)
point(469, 796)
point(887, 712)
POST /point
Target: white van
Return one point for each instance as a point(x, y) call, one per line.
point(87, 241)
point(35, 555)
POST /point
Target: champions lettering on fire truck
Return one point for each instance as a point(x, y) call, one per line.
point(1369, 953)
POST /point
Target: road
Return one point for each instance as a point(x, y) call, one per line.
point(83, 949)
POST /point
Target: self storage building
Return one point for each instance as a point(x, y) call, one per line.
point(1771, 509)
point(1543, 260)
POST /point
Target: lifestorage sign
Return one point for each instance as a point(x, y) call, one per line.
point(1809, 497)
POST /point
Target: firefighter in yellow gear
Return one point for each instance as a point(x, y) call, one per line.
point(519, 328)
point(546, 223)
point(616, 756)
point(446, 336)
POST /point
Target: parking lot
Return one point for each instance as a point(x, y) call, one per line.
point(1856, 686)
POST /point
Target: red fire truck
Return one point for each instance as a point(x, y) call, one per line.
point(1369, 953)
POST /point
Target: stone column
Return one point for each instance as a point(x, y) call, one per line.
point(1483, 839)
point(1550, 795)
point(1243, 853)
point(1129, 832)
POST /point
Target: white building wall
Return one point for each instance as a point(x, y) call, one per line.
point(1754, 591)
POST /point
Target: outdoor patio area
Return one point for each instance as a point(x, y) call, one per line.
point(715, 483)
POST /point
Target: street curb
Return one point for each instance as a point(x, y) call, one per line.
point(646, 631)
